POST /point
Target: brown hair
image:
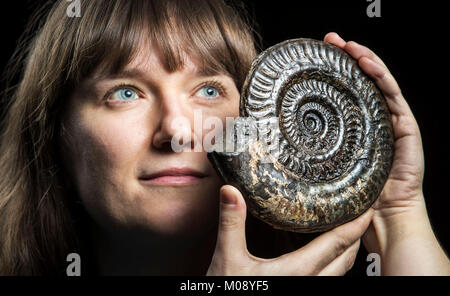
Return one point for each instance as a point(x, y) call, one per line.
point(37, 205)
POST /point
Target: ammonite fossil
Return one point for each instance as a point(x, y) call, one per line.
point(333, 133)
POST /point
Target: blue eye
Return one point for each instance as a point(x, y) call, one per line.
point(208, 92)
point(124, 94)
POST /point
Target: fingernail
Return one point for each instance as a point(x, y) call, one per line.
point(228, 199)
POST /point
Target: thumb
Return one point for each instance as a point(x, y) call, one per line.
point(231, 233)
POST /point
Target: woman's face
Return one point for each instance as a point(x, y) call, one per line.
point(118, 134)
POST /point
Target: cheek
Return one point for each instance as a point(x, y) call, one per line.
point(105, 147)
point(117, 142)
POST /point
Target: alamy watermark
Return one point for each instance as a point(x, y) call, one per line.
point(74, 8)
point(374, 8)
point(374, 268)
point(235, 137)
point(74, 268)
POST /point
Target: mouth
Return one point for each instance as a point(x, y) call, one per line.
point(173, 177)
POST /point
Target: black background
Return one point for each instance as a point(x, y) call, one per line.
point(409, 37)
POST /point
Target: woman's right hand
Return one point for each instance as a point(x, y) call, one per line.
point(332, 253)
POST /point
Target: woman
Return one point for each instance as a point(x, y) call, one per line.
point(88, 167)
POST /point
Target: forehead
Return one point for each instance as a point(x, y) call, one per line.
point(150, 59)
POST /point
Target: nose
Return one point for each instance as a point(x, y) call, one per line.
point(175, 125)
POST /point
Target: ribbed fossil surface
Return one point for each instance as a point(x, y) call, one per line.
point(333, 133)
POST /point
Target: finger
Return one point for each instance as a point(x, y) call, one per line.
point(371, 64)
point(324, 249)
point(231, 240)
point(403, 120)
point(342, 263)
point(384, 80)
point(334, 39)
point(358, 51)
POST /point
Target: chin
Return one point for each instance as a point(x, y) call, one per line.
point(182, 216)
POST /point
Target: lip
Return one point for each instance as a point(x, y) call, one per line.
point(173, 177)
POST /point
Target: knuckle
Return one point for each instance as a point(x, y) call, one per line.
point(341, 244)
point(229, 222)
point(360, 224)
point(351, 43)
point(382, 76)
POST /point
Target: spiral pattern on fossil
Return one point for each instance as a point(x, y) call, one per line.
point(335, 136)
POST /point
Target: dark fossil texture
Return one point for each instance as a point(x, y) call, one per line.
point(334, 135)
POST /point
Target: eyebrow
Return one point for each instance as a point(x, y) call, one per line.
point(126, 73)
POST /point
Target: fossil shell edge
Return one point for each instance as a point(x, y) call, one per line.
point(334, 133)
